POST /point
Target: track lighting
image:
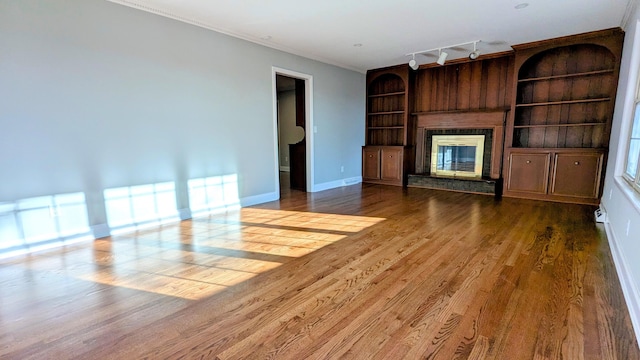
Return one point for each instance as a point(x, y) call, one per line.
point(475, 53)
point(442, 58)
point(413, 64)
point(442, 55)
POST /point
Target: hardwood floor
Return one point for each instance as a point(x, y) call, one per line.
point(362, 272)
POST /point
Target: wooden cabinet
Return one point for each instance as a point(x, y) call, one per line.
point(383, 164)
point(567, 175)
point(528, 172)
point(391, 164)
point(370, 163)
point(563, 106)
point(577, 175)
point(390, 133)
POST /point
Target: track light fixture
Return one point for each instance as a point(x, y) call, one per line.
point(413, 64)
point(442, 55)
point(475, 53)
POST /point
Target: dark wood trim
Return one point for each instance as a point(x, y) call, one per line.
point(467, 60)
point(592, 37)
point(461, 119)
point(492, 110)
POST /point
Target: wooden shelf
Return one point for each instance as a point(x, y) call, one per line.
point(555, 152)
point(387, 126)
point(557, 125)
point(564, 102)
point(387, 112)
point(387, 94)
point(564, 76)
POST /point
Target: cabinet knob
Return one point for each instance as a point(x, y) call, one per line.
point(390, 156)
point(370, 156)
point(528, 161)
point(576, 163)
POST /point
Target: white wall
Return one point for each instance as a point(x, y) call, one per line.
point(95, 95)
point(621, 204)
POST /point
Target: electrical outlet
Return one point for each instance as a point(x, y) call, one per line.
point(286, 158)
point(610, 193)
point(315, 129)
point(341, 169)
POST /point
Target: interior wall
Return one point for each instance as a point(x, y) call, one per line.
point(95, 95)
point(621, 204)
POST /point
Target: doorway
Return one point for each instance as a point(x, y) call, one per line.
point(292, 119)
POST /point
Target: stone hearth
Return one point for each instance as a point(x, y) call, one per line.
point(479, 186)
point(487, 123)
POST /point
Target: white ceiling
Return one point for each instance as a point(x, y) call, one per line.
point(328, 30)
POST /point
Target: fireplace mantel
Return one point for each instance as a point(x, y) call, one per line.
point(493, 120)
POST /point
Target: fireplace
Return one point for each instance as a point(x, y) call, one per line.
point(457, 155)
point(453, 163)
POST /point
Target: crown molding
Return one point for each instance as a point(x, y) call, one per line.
point(162, 12)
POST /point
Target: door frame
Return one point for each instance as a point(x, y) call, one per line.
point(308, 118)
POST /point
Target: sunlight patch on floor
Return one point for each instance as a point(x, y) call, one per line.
point(197, 258)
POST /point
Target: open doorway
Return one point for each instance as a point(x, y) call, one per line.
point(292, 102)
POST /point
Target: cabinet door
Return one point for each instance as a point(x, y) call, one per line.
point(391, 164)
point(370, 163)
point(529, 172)
point(577, 175)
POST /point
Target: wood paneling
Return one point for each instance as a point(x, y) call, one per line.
point(480, 84)
point(371, 272)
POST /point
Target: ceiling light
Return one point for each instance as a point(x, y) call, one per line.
point(442, 55)
point(413, 63)
point(475, 53)
point(521, 6)
point(442, 58)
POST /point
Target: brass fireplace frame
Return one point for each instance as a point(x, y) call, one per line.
point(476, 141)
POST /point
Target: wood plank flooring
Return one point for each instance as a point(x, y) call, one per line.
point(361, 272)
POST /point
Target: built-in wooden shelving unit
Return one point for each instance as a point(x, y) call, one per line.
point(389, 134)
point(558, 129)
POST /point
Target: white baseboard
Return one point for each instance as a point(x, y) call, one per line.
point(259, 199)
point(285, 168)
point(352, 180)
point(100, 231)
point(184, 214)
point(629, 288)
point(336, 184)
